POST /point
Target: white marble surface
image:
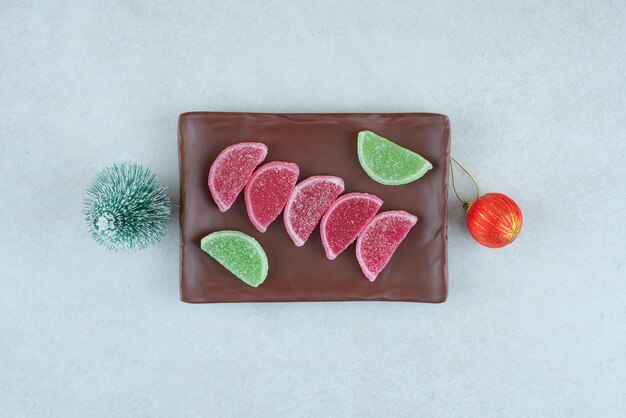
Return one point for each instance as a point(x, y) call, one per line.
point(536, 95)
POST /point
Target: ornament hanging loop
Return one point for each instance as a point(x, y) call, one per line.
point(466, 203)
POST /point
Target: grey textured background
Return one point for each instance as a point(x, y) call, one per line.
point(535, 92)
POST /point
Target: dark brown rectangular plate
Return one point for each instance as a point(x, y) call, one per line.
point(319, 144)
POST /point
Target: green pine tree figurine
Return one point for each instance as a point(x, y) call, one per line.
point(126, 208)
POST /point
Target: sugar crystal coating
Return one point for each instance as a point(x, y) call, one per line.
point(308, 202)
point(345, 219)
point(231, 170)
point(387, 162)
point(267, 192)
point(380, 239)
point(241, 254)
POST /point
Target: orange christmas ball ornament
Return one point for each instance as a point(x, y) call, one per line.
point(494, 220)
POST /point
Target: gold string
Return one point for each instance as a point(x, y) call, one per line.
point(468, 175)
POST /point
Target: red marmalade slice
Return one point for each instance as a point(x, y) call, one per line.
point(308, 201)
point(380, 239)
point(232, 169)
point(267, 192)
point(345, 219)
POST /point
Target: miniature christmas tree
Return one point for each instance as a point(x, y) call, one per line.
point(126, 208)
